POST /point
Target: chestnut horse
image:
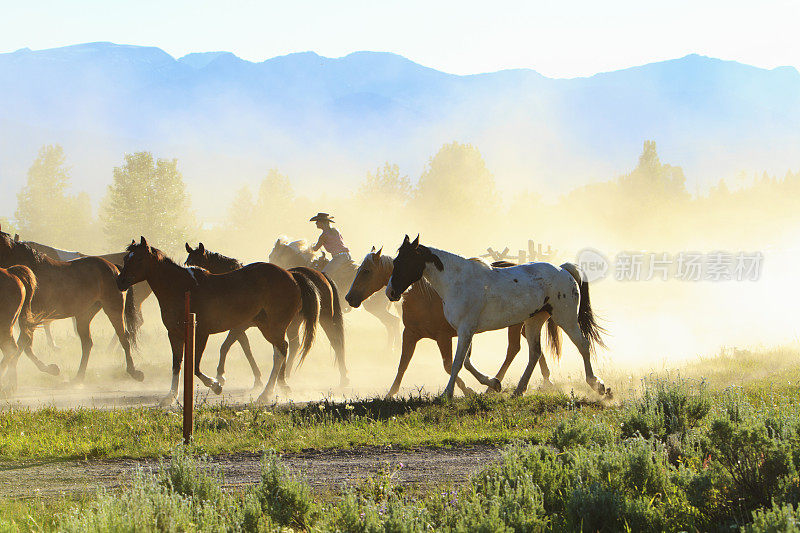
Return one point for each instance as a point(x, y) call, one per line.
point(260, 293)
point(423, 318)
point(17, 286)
point(79, 288)
point(330, 317)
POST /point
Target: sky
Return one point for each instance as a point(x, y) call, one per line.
point(566, 38)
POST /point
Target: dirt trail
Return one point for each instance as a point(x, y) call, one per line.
point(323, 470)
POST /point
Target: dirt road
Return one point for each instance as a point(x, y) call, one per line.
point(323, 470)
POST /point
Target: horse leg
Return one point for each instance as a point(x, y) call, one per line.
point(492, 383)
point(176, 339)
point(575, 334)
point(293, 333)
point(392, 324)
point(200, 340)
point(244, 342)
point(233, 336)
point(533, 328)
point(50, 342)
point(335, 334)
point(446, 349)
point(280, 348)
point(514, 333)
point(410, 340)
point(83, 323)
point(113, 310)
point(464, 343)
point(10, 350)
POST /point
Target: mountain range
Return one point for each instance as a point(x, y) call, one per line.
point(327, 121)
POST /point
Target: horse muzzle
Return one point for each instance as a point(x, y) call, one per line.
point(392, 294)
point(353, 301)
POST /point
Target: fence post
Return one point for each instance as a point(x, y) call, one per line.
point(188, 373)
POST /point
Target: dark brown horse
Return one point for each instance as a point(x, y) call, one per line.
point(135, 297)
point(293, 254)
point(423, 318)
point(330, 317)
point(79, 288)
point(260, 293)
point(17, 286)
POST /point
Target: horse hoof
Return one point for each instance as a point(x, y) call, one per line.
point(216, 387)
point(469, 392)
point(547, 386)
point(257, 384)
point(53, 370)
point(609, 394)
point(495, 385)
point(221, 379)
point(77, 383)
point(264, 398)
point(137, 375)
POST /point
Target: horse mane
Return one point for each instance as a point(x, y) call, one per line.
point(161, 257)
point(480, 261)
point(27, 251)
point(217, 258)
point(423, 289)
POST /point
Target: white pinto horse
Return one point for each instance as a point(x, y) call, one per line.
point(480, 298)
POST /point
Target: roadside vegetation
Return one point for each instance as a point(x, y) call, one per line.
point(680, 454)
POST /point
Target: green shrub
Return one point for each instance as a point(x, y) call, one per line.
point(777, 519)
point(666, 407)
point(286, 500)
point(578, 430)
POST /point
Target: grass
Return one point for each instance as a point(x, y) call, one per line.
point(48, 434)
point(676, 457)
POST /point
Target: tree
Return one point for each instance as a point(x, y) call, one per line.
point(385, 189)
point(654, 183)
point(46, 212)
point(457, 185)
point(147, 197)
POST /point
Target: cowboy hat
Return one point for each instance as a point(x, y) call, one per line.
point(321, 216)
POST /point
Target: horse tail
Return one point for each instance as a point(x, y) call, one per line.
point(133, 316)
point(309, 297)
point(27, 320)
point(587, 321)
point(554, 338)
point(338, 316)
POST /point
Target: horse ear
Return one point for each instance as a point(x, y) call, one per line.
point(201, 248)
point(416, 241)
point(378, 253)
point(188, 248)
point(432, 257)
point(406, 240)
point(143, 242)
point(372, 251)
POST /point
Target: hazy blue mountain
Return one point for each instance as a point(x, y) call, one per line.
point(325, 120)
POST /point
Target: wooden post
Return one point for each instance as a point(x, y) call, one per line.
point(188, 373)
point(521, 259)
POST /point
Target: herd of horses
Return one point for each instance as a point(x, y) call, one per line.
point(444, 296)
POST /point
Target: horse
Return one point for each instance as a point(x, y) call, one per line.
point(480, 298)
point(330, 317)
point(260, 293)
point(423, 318)
point(79, 288)
point(136, 297)
point(17, 287)
point(293, 254)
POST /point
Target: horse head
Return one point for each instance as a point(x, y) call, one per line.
point(409, 266)
point(370, 277)
point(197, 256)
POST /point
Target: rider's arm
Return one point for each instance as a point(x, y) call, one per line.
point(319, 243)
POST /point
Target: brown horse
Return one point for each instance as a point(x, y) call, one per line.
point(260, 293)
point(135, 297)
point(17, 286)
point(294, 254)
point(330, 317)
point(423, 318)
point(79, 288)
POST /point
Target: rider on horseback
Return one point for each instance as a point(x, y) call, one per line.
point(332, 241)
